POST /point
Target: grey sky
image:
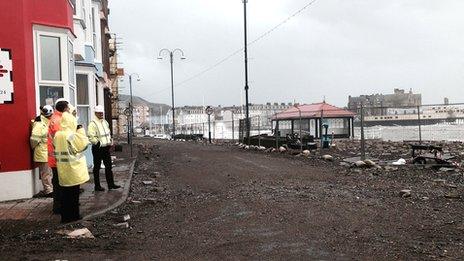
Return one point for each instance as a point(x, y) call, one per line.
point(334, 48)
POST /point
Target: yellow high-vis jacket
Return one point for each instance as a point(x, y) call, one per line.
point(69, 146)
point(38, 139)
point(99, 131)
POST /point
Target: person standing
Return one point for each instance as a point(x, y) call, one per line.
point(61, 105)
point(70, 142)
point(100, 137)
point(38, 140)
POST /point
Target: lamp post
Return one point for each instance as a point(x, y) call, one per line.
point(301, 138)
point(247, 117)
point(131, 105)
point(171, 59)
point(209, 110)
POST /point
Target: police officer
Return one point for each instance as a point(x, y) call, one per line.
point(39, 139)
point(100, 137)
point(54, 125)
point(70, 142)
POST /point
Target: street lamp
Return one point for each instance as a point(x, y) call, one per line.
point(131, 105)
point(171, 58)
point(247, 111)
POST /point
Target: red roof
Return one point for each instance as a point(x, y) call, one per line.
point(313, 111)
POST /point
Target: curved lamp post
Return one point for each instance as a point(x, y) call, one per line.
point(131, 105)
point(171, 59)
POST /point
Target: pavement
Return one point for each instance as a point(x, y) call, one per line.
point(91, 203)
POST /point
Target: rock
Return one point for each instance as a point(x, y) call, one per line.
point(445, 169)
point(136, 201)
point(399, 162)
point(390, 168)
point(247, 147)
point(77, 233)
point(327, 158)
point(147, 182)
point(125, 217)
point(451, 186)
point(273, 150)
point(122, 225)
point(370, 163)
point(261, 148)
point(440, 181)
point(344, 164)
point(452, 195)
point(360, 164)
point(306, 152)
point(405, 193)
point(282, 149)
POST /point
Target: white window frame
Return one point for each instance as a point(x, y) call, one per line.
point(72, 62)
point(65, 36)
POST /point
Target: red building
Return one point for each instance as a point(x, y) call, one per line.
point(36, 68)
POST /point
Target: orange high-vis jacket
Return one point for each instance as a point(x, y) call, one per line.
point(53, 127)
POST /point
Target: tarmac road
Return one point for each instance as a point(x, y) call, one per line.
point(223, 203)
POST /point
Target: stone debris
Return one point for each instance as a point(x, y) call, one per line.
point(306, 152)
point(370, 163)
point(77, 233)
point(452, 195)
point(445, 169)
point(360, 164)
point(327, 157)
point(122, 225)
point(390, 168)
point(440, 181)
point(136, 201)
point(405, 193)
point(399, 162)
point(282, 149)
point(147, 182)
point(125, 217)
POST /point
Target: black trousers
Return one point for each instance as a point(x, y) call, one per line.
point(56, 192)
point(70, 204)
point(99, 154)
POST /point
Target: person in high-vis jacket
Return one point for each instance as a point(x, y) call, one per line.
point(38, 140)
point(61, 105)
point(70, 144)
point(100, 137)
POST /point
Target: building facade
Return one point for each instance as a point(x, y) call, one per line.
point(49, 49)
point(378, 103)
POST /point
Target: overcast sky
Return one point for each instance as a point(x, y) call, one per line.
point(334, 48)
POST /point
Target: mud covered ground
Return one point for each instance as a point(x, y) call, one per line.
point(222, 202)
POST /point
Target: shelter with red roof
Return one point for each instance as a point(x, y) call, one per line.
point(312, 117)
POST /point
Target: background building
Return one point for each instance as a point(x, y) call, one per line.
point(381, 102)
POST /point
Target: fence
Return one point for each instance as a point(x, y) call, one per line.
point(432, 122)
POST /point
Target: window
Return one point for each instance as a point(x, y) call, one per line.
point(94, 30)
point(82, 89)
point(71, 74)
point(96, 94)
point(83, 110)
point(73, 3)
point(49, 94)
point(50, 58)
point(72, 66)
